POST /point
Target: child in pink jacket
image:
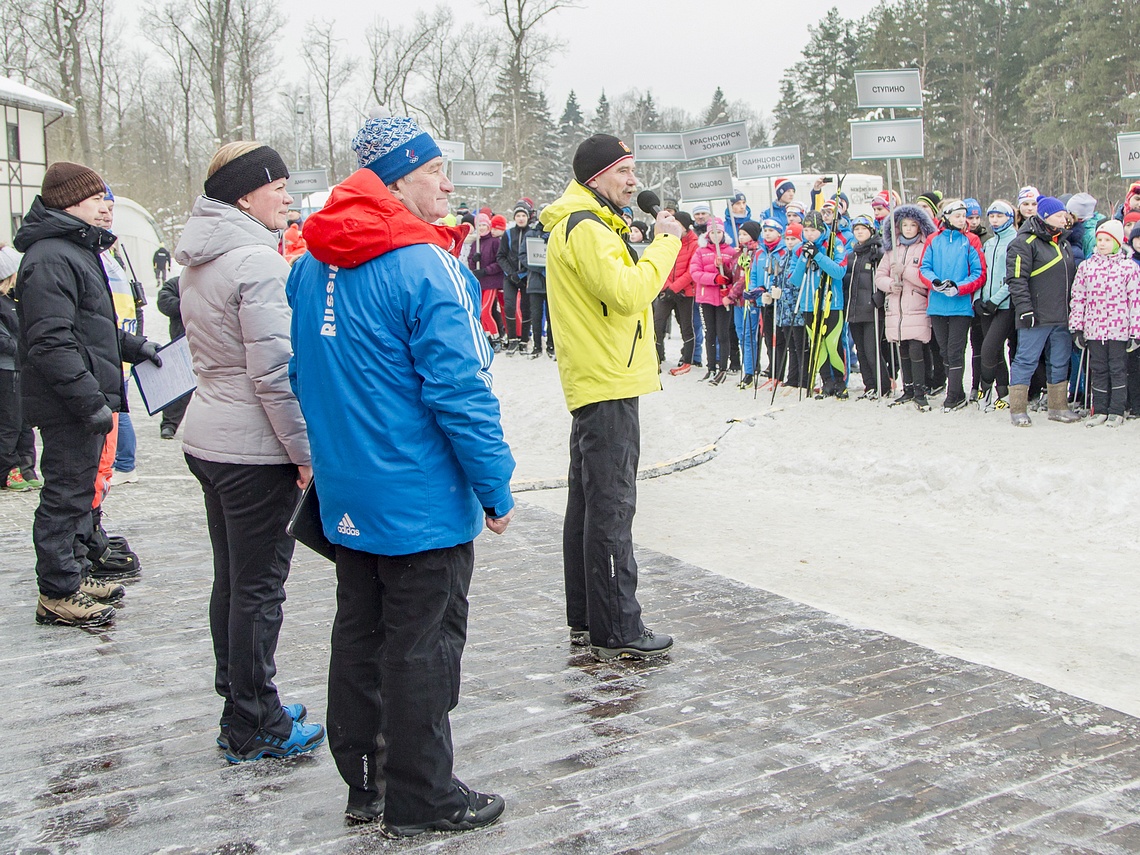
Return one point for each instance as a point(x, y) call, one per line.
point(711, 269)
point(1104, 317)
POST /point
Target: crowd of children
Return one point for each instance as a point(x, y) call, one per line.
point(1040, 301)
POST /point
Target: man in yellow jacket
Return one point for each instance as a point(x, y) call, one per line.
point(600, 296)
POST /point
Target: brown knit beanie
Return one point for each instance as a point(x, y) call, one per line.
point(66, 184)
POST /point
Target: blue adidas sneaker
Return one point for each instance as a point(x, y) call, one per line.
point(263, 744)
point(297, 712)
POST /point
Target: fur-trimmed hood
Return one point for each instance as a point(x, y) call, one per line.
point(908, 212)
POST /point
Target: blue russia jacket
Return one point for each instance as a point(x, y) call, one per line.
point(391, 367)
point(807, 277)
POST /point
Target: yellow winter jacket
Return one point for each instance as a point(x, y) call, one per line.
point(600, 298)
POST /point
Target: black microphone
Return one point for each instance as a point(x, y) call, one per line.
point(649, 202)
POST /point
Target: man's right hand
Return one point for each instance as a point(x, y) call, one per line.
point(666, 224)
point(499, 524)
point(99, 422)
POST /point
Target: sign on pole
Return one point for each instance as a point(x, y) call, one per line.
point(477, 173)
point(715, 140)
point(901, 138)
point(768, 162)
point(305, 181)
point(658, 148)
point(699, 185)
point(535, 252)
point(452, 150)
point(1128, 146)
point(900, 87)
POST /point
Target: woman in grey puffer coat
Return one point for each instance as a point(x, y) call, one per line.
point(245, 438)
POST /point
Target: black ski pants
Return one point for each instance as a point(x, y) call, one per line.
point(913, 355)
point(516, 300)
point(790, 344)
point(539, 308)
point(719, 332)
point(1108, 367)
point(397, 641)
point(670, 302)
point(998, 333)
point(61, 528)
point(868, 341)
point(247, 508)
point(951, 332)
point(597, 534)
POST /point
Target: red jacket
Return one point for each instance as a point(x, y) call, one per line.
point(680, 281)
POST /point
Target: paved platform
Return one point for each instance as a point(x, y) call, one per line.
point(774, 727)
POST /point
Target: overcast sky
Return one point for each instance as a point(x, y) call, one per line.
point(681, 50)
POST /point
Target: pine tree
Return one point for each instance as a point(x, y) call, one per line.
point(571, 129)
point(718, 112)
point(603, 123)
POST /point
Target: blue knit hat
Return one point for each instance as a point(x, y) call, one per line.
point(393, 146)
point(1047, 206)
point(107, 194)
point(783, 185)
point(973, 207)
point(769, 223)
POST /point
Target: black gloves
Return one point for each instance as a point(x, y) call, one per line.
point(1079, 339)
point(479, 273)
point(1028, 319)
point(99, 422)
point(149, 350)
point(987, 307)
point(809, 250)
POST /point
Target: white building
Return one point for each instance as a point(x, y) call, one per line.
point(23, 149)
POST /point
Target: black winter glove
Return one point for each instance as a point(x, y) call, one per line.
point(1028, 319)
point(479, 272)
point(1133, 344)
point(149, 351)
point(1079, 339)
point(989, 308)
point(879, 298)
point(99, 422)
point(809, 250)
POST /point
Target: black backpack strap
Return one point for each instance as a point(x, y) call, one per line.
point(579, 216)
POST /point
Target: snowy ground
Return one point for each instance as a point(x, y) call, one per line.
point(1011, 548)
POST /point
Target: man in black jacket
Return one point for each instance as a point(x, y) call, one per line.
point(1039, 270)
point(512, 258)
point(71, 351)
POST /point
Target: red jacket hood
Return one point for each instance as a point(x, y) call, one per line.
point(362, 220)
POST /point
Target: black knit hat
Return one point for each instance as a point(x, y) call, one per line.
point(66, 184)
point(814, 220)
point(933, 198)
point(245, 174)
point(597, 154)
point(685, 219)
point(751, 228)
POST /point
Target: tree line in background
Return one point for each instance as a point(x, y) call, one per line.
point(1016, 92)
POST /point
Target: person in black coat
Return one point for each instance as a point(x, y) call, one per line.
point(864, 302)
point(1039, 270)
point(71, 352)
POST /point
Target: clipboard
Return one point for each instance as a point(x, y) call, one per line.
point(305, 523)
point(161, 387)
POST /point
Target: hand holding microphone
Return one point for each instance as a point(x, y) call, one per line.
point(664, 223)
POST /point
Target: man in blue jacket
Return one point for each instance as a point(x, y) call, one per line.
point(391, 367)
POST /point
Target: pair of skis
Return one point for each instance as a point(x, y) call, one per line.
point(823, 295)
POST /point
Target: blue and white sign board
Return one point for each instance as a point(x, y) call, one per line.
point(305, 181)
point(701, 185)
point(658, 148)
point(901, 138)
point(768, 162)
point(452, 150)
point(901, 87)
point(1128, 145)
point(715, 140)
point(535, 252)
point(477, 173)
